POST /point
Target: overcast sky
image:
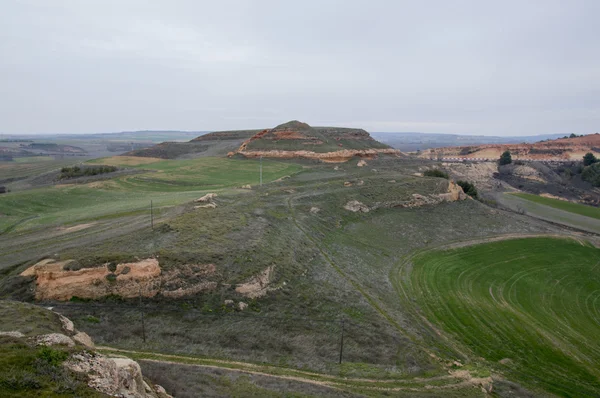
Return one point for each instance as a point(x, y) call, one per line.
point(472, 67)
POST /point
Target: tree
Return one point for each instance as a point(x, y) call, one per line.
point(573, 135)
point(589, 159)
point(505, 158)
point(468, 188)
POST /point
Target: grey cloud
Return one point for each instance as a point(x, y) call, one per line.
point(476, 67)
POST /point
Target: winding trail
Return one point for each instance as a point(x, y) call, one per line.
point(452, 381)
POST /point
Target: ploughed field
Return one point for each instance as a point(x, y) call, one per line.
point(529, 307)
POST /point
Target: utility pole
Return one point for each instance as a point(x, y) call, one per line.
point(342, 341)
point(151, 215)
point(261, 171)
point(142, 312)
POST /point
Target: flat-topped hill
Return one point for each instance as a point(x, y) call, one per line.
point(293, 139)
point(299, 136)
point(296, 139)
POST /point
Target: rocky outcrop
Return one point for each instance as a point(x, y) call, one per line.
point(328, 157)
point(560, 149)
point(453, 194)
point(116, 376)
point(208, 198)
point(129, 280)
point(356, 207)
point(258, 285)
point(51, 339)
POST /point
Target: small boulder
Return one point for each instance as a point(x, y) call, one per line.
point(206, 198)
point(242, 306)
point(54, 339)
point(314, 210)
point(67, 324)
point(83, 339)
point(347, 184)
point(248, 186)
point(361, 163)
point(361, 182)
point(356, 206)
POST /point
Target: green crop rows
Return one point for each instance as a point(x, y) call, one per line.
point(531, 307)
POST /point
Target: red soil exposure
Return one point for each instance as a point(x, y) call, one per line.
point(328, 157)
point(560, 149)
point(289, 135)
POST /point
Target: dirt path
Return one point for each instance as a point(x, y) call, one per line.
point(455, 380)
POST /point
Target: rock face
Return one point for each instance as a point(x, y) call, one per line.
point(129, 280)
point(560, 149)
point(328, 157)
point(118, 376)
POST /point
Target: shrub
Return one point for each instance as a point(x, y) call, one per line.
point(435, 173)
point(112, 266)
point(505, 158)
point(591, 174)
point(468, 188)
point(589, 159)
point(51, 356)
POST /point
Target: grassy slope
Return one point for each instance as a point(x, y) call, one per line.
point(24, 368)
point(334, 264)
point(576, 208)
point(532, 303)
point(167, 183)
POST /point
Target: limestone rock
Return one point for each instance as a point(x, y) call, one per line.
point(118, 376)
point(67, 324)
point(206, 206)
point(314, 210)
point(206, 198)
point(242, 306)
point(16, 334)
point(248, 186)
point(83, 339)
point(361, 163)
point(347, 184)
point(258, 285)
point(54, 339)
point(356, 206)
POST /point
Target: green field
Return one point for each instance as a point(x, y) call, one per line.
point(530, 307)
point(576, 208)
point(167, 183)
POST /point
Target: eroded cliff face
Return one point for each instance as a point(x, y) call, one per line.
point(561, 149)
point(328, 157)
point(54, 280)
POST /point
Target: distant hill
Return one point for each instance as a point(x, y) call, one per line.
point(557, 149)
point(217, 143)
point(410, 142)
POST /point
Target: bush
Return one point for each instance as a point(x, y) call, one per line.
point(505, 158)
point(76, 171)
point(589, 159)
point(51, 356)
point(591, 174)
point(468, 188)
point(435, 173)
